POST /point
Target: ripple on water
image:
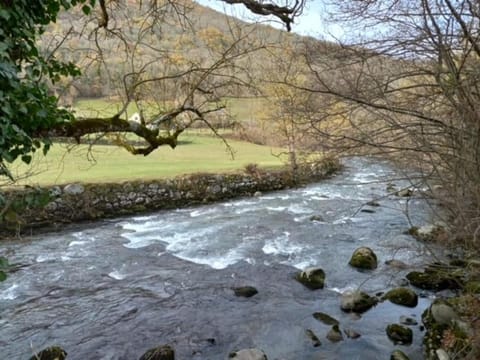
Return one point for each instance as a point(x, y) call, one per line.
point(9, 293)
point(117, 275)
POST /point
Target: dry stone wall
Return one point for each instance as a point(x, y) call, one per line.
point(30, 208)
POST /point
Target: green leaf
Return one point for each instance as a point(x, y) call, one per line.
point(27, 159)
point(3, 276)
point(86, 9)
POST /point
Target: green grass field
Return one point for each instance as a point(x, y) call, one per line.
point(242, 109)
point(197, 152)
point(102, 163)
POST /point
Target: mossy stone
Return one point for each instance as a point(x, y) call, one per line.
point(50, 353)
point(334, 334)
point(399, 334)
point(402, 296)
point(363, 258)
point(472, 287)
point(164, 352)
point(245, 291)
point(357, 302)
point(434, 280)
point(398, 355)
point(248, 354)
point(312, 336)
point(325, 318)
point(312, 278)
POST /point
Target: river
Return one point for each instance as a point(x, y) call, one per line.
point(113, 289)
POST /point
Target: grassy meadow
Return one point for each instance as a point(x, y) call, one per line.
point(105, 163)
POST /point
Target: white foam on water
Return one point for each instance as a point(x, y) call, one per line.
point(10, 293)
point(77, 243)
point(346, 289)
point(143, 218)
point(365, 177)
point(44, 257)
point(306, 263)
point(65, 258)
point(117, 275)
point(243, 203)
point(281, 246)
point(216, 262)
point(200, 212)
point(244, 210)
point(298, 209)
point(276, 208)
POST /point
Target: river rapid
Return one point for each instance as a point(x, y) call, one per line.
point(114, 289)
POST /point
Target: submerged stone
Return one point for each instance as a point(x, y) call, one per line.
point(398, 355)
point(405, 320)
point(315, 340)
point(352, 334)
point(50, 353)
point(164, 352)
point(248, 354)
point(334, 334)
point(364, 258)
point(402, 296)
point(245, 291)
point(357, 302)
point(399, 334)
point(313, 278)
point(396, 264)
point(317, 218)
point(325, 318)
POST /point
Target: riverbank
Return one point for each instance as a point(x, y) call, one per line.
point(51, 207)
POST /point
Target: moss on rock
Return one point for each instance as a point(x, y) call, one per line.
point(364, 258)
point(313, 278)
point(399, 334)
point(402, 296)
point(50, 353)
point(325, 318)
point(357, 301)
point(164, 352)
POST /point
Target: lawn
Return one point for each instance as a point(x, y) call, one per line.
point(103, 163)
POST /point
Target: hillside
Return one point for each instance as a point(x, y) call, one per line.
point(165, 41)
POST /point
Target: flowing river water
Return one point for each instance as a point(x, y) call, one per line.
point(114, 289)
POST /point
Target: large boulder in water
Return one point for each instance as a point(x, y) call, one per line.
point(357, 302)
point(164, 352)
point(248, 354)
point(313, 278)
point(402, 296)
point(399, 334)
point(364, 258)
point(50, 353)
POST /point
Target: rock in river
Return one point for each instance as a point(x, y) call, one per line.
point(248, 354)
point(399, 334)
point(398, 355)
point(245, 291)
point(325, 318)
point(357, 302)
point(334, 334)
point(364, 258)
point(402, 296)
point(164, 352)
point(50, 353)
point(313, 278)
point(312, 336)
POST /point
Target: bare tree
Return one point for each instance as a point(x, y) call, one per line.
point(406, 83)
